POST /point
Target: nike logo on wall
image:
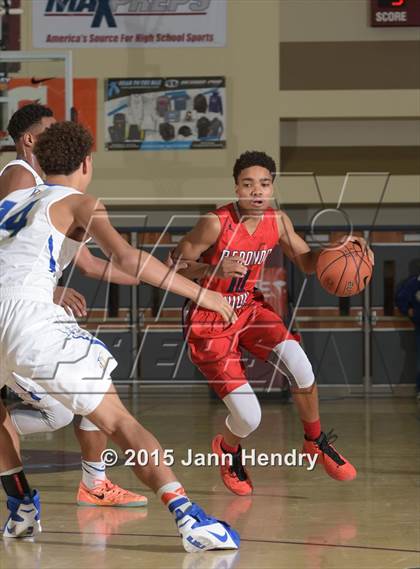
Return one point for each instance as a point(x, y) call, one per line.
point(221, 538)
point(35, 81)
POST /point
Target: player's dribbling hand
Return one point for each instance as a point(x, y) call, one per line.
point(231, 267)
point(363, 244)
point(215, 301)
point(365, 247)
point(72, 301)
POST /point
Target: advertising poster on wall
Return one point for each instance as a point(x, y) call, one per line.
point(174, 113)
point(128, 23)
point(50, 92)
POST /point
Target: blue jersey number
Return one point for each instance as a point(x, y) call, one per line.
point(16, 221)
point(5, 207)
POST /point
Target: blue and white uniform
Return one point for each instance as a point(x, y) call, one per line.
point(27, 166)
point(43, 350)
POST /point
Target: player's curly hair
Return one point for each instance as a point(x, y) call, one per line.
point(25, 117)
point(62, 147)
point(254, 158)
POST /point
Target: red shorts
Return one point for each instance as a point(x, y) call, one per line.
point(215, 346)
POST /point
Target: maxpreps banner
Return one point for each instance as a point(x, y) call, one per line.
point(129, 23)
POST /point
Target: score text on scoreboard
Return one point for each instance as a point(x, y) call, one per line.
point(396, 13)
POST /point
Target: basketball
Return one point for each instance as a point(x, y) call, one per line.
point(344, 270)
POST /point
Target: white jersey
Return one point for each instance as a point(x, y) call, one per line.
point(24, 164)
point(44, 354)
point(33, 253)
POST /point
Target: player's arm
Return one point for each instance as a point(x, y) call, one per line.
point(294, 247)
point(193, 245)
point(101, 269)
point(203, 236)
point(299, 252)
point(15, 178)
point(92, 267)
point(88, 213)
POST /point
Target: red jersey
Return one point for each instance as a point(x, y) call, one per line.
point(234, 239)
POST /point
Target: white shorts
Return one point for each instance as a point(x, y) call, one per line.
point(44, 353)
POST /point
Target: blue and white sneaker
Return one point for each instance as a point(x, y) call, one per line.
point(24, 519)
point(201, 532)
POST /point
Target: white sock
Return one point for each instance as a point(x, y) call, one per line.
point(93, 473)
point(174, 493)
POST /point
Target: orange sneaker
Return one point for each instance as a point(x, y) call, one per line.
point(234, 477)
point(334, 463)
point(109, 494)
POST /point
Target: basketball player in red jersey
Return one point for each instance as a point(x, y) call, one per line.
point(232, 245)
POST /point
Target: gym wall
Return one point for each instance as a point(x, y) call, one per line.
point(271, 48)
point(350, 102)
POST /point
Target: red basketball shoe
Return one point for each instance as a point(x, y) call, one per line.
point(334, 463)
point(234, 475)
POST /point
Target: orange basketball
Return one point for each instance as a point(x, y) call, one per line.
point(344, 270)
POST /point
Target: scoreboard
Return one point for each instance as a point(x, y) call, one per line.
point(396, 13)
